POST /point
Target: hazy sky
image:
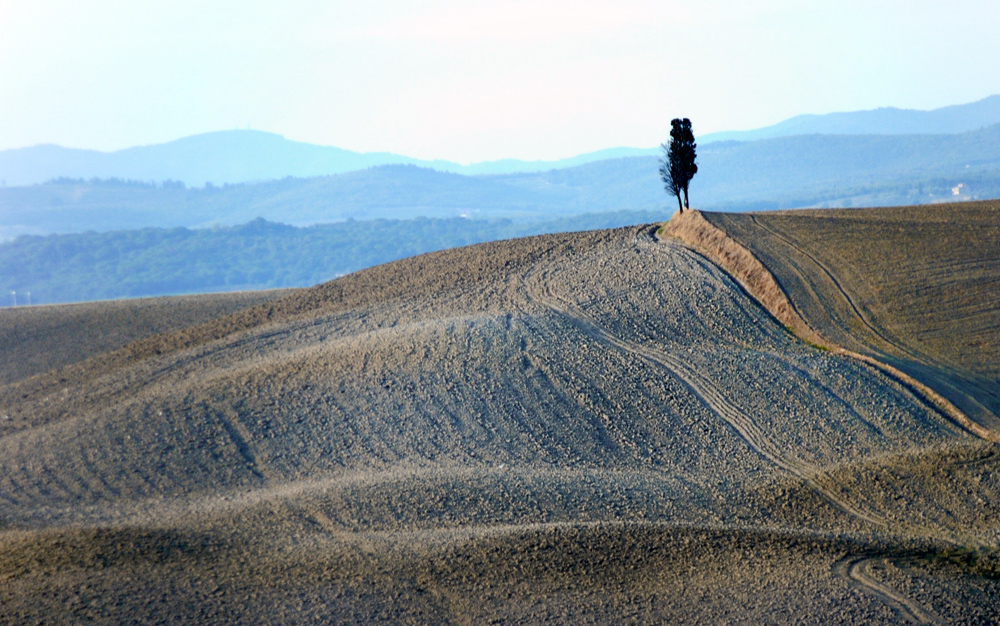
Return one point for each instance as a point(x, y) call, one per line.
point(466, 80)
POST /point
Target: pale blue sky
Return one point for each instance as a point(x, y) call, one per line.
point(468, 81)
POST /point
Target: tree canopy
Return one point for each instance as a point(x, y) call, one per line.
point(678, 164)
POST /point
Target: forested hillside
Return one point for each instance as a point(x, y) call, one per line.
point(389, 192)
point(803, 171)
point(256, 255)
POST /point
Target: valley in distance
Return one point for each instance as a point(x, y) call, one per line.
point(83, 225)
point(598, 427)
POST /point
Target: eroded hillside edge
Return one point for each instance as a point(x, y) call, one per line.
point(692, 229)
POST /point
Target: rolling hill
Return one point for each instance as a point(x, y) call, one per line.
point(232, 156)
point(953, 119)
point(35, 340)
point(241, 156)
point(579, 428)
point(389, 192)
point(790, 172)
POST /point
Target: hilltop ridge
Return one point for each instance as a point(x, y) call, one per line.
point(239, 156)
point(958, 118)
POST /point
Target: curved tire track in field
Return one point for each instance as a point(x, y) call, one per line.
point(937, 400)
point(932, 397)
point(232, 424)
point(843, 292)
point(854, 569)
point(703, 388)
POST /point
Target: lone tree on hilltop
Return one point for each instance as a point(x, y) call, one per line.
point(678, 166)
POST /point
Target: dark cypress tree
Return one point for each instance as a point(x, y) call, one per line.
point(688, 157)
point(670, 173)
point(678, 166)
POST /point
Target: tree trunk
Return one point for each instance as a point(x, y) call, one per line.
point(680, 205)
point(687, 204)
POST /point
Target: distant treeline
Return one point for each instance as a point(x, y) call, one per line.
point(800, 171)
point(118, 182)
point(256, 255)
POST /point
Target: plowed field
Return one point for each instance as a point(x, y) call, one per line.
point(918, 287)
point(587, 428)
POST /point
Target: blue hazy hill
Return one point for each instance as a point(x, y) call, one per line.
point(883, 121)
point(238, 156)
point(786, 172)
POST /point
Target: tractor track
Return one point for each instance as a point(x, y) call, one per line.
point(537, 289)
point(855, 570)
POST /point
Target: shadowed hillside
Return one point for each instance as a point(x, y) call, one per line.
point(579, 428)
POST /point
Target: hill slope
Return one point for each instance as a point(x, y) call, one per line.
point(957, 118)
point(41, 338)
point(914, 286)
point(565, 428)
point(257, 255)
point(240, 156)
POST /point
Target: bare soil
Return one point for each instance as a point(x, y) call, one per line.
point(38, 339)
point(918, 287)
point(587, 428)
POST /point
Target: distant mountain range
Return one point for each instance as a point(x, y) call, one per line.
point(238, 156)
point(110, 234)
point(244, 156)
point(798, 171)
point(959, 118)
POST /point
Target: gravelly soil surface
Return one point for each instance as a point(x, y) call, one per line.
point(582, 428)
point(37, 339)
point(918, 287)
